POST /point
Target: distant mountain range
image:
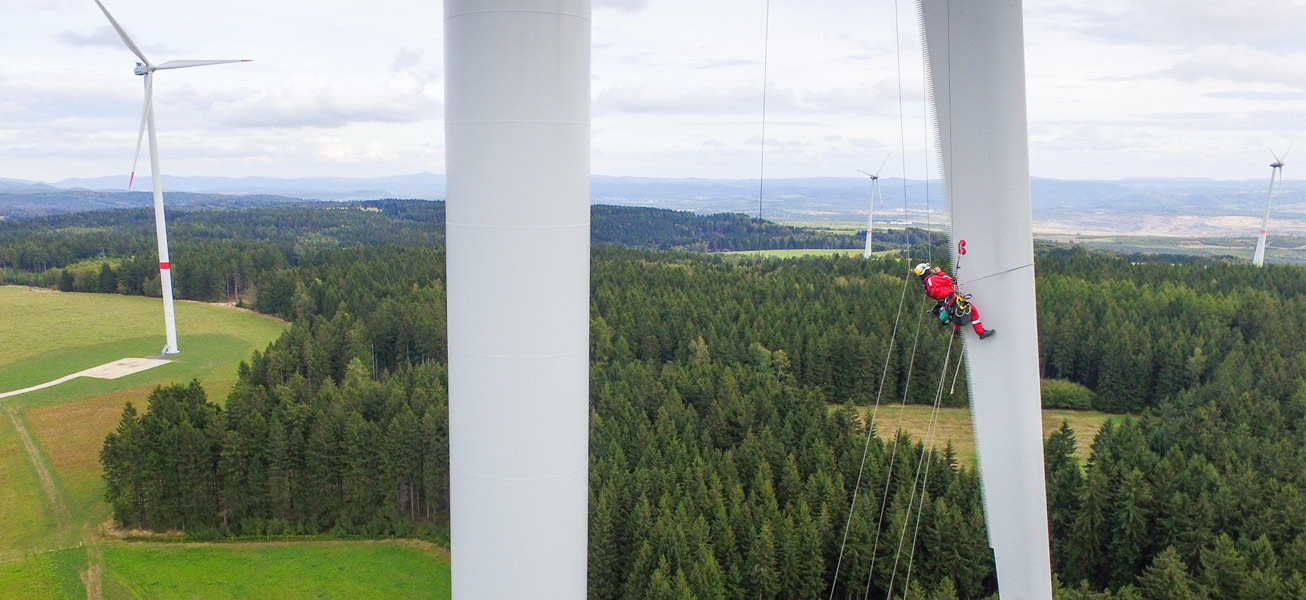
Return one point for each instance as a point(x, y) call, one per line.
point(1136, 206)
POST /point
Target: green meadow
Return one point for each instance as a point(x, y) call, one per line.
point(274, 571)
point(53, 334)
point(794, 252)
point(50, 477)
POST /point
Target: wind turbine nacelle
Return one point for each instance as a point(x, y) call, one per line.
point(141, 69)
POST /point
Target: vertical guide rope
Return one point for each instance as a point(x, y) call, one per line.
point(761, 174)
point(927, 454)
point(870, 428)
point(893, 456)
point(870, 425)
point(927, 450)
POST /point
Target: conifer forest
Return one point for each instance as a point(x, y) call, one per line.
point(726, 394)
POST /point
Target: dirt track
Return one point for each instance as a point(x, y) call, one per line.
point(43, 474)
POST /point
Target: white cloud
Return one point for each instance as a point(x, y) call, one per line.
point(627, 6)
point(1244, 64)
point(1269, 24)
point(1115, 87)
point(681, 100)
point(103, 37)
point(315, 101)
point(336, 150)
point(410, 71)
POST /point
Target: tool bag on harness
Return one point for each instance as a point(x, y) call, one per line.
point(958, 309)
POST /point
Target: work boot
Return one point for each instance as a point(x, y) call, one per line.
point(956, 332)
point(987, 333)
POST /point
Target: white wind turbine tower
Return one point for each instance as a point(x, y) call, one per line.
point(147, 69)
point(1276, 168)
point(875, 194)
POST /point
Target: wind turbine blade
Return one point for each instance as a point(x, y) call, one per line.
point(1277, 160)
point(145, 115)
point(863, 172)
point(882, 163)
point(1285, 152)
point(182, 64)
point(126, 39)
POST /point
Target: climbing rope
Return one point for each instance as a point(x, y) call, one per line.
point(927, 450)
point(921, 480)
point(960, 356)
point(761, 174)
point(893, 455)
point(870, 427)
point(871, 419)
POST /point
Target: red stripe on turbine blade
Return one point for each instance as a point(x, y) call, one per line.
point(1262, 232)
point(129, 181)
point(164, 265)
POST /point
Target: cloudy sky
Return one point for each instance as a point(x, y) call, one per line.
point(1116, 88)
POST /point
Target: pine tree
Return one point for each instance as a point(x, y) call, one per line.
point(1223, 569)
point(1130, 534)
point(762, 572)
point(705, 577)
point(1065, 479)
point(1167, 578)
point(122, 471)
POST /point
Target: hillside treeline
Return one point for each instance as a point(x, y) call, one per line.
point(24, 202)
point(662, 229)
point(219, 253)
point(718, 468)
point(1137, 333)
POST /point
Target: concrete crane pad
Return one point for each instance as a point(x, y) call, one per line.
point(121, 367)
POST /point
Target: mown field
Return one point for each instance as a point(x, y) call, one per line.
point(50, 477)
point(953, 425)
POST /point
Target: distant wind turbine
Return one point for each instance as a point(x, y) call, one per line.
point(875, 195)
point(1276, 169)
point(147, 69)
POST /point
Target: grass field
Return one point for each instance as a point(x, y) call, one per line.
point(791, 253)
point(61, 333)
point(44, 523)
point(954, 425)
point(48, 576)
point(72, 435)
point(24, 522)
point(274, 571)
point(49, 542)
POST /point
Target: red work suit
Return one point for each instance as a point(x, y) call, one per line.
point(939, 286)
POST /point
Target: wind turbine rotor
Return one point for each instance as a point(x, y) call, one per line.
point(879, 195)
point(882, 163)
point(182, 64)
point(145, 115)
point(875, 182)
point(126, 39)
point(1278, 162)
